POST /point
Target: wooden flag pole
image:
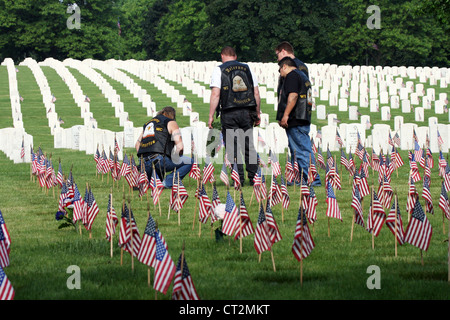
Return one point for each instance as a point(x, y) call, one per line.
point(301, 223)
point(173, 181)
point(240, 222)
point(196, 203)
point(110, 225)
point(395, 208)
point(90, 231)
point(123, 209)
point(371, 213)
point(178, 195)
point(131, 238)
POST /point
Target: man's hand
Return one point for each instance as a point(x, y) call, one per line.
point(210, 122)
point(258, 121)
point(283, 123)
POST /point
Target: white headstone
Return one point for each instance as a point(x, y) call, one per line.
point(385, 113)
point(406, 106)
point(351, 136)
point(353, 113)
point(321, 112)
point(380, 137)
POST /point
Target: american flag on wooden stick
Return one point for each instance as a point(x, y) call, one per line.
point(303, 241)
point(6, 289)
point(396, 227)
point(245, 227)
point(419, 230)
point(164, 266)
point(183, 287)
point(147, 250)
point(5, 243)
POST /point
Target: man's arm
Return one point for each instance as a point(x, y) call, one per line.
point(138, 142)
point(258, 105)
point(213, 103)
point(174, 131)
point(291, 102)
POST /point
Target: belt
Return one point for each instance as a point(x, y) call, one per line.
point(151, 157)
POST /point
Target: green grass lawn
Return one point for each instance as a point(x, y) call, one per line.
point(337, 268)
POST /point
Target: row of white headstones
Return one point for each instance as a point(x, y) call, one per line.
point(329, 81)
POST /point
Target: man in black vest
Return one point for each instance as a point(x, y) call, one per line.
point(235, 97)
point(294, 113)
point(160, 144)
point(285, 49)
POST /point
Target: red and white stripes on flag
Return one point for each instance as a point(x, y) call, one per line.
point(231, 217)
point(5, 243)
point(262, 240)
point(419, 230)
point(111, 220)
point(183, 286)
point(164, 266)
point(245, 226)
point(376, 216)
point(444, 203)
point(6, 289)
point(396, 226)
point(303, 241)
point(127, 228)
point(205, 206)
point(147, 250)
point(333, 210)
point(235, 177)
point(274, 232)
point(208, 172)
point(91, 210)
point(357, 206)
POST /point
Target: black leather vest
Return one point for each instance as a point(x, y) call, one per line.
point(303, 109)
point(237, 86)
point(156, 137)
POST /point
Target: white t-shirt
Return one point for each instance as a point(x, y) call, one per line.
point(216, 78)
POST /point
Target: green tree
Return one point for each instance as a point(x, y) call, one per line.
point(39, 29)
point(179, 30)
point(403, 38)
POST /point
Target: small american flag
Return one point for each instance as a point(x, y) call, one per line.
point(205, 206)
point(439, 139)
point(274, 232)
point(262, 240)
point(333, 210)
point(208, 172)
point(311, 212)
point(303, 241)
point(183, 286)
point(224, 175)
point(91, 210)
point(275, 194)
point(444, 204)
point(426, 194)
point(289, 171)
point(415, 174)
point(5, 243)
point(285, 195)
point(164, 267)
point(396, 227)
point(231, 218)
point(357, 206)
point(376, 216)
point(419, 230)
point(111, 219)
point(147, 250)
point(396, 139)
point(339, 139)
point(156, 186)
point(79, 208)
point(246, 226)
point(235, 176)
point(195, 173)
point(22, 150)
point(6, 289)
point(275, 164)
point(215, 201)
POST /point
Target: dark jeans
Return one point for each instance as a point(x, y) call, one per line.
point(237, 125)
point(164, 167)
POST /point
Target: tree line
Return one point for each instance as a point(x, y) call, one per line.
point(354, 32)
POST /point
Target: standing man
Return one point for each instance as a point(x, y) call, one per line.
point(294, 113)
point(285, 49)
point(160, 144)
point(235, 97)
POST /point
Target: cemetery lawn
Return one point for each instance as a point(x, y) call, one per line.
point(339, 268)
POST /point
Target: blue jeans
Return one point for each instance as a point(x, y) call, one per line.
point(300, 144)
point(164, 164)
